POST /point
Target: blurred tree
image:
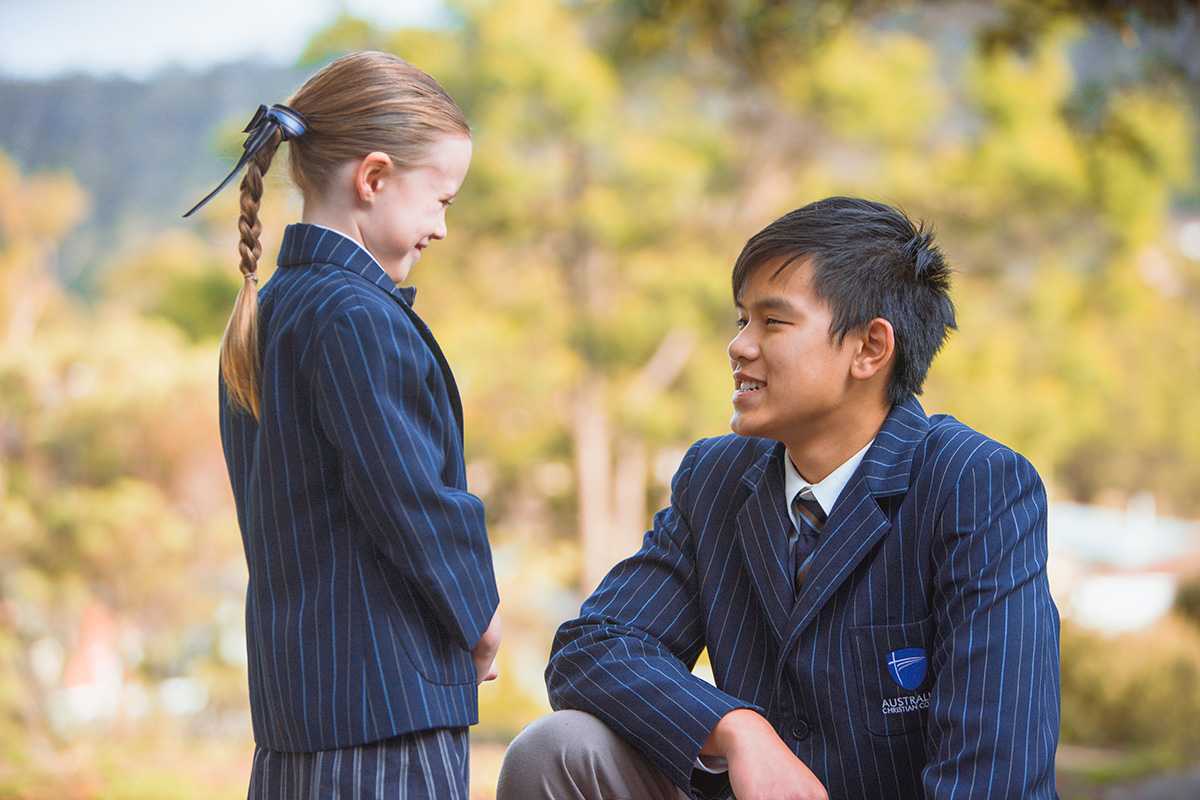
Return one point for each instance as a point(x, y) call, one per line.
point(1146, 705)
point(111, 489)
point(35, 212)
point(745, 41)
point(1025, 21)
point(1187, 601)
point(736, 41)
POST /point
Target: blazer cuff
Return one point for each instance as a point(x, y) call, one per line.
point(700, 780)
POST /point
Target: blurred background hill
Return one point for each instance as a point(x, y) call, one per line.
point(624, 152)
point(133, 146)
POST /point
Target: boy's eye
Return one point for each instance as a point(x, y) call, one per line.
point(743, 322)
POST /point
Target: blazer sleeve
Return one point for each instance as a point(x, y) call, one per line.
point(994, 705)
point(374, 404)
point(627, 658)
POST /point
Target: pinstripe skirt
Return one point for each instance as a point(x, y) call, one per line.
point(425, 765)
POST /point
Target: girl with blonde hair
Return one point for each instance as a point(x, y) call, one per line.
point(371, 604)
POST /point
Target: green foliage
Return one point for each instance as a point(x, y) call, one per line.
point(1146, 704)
point(744, 39)
point(344, 34)
point(176, 278)
point(1187, 601)
point(840, 83)
point(111, 493)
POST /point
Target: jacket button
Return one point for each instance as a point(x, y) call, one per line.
point(800, 729)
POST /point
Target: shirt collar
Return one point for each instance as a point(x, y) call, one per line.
point(826, 491)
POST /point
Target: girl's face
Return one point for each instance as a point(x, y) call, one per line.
point(407, 210)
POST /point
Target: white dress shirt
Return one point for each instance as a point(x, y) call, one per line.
point(826, 491)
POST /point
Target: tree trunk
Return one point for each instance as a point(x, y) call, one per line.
point(593, 470)
point(612, 496)
point(629, 498)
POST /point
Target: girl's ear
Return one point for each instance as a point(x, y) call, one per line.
point(373, 170)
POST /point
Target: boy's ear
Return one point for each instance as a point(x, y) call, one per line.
point(369, 177)
point(875, 351)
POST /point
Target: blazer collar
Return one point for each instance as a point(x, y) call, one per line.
point(305, 244)
point(888, 461)
point(887, 465)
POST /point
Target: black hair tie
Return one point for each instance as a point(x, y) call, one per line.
point(262, 127)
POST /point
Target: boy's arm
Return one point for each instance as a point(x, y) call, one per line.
point(994, 706)
point(627, 658)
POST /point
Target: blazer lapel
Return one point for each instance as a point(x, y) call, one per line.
point(857, 523)
point(435, 348)
point(852, 530)
point(762, 529)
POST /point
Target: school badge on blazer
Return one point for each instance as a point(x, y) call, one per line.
point(907, 667)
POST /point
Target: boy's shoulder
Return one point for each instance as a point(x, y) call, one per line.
point(719, 462)
point(952, 448)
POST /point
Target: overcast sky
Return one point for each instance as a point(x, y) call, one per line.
point(44, 38)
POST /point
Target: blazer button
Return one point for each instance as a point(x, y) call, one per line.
point(800, 730)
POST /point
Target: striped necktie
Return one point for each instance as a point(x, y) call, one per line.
point(811, 519)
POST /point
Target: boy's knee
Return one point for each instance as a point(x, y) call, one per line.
point(560, 736)
point(550, 750)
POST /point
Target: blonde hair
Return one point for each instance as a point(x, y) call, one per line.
point(358, 104)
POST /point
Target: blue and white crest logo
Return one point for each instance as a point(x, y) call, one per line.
point(907, 666)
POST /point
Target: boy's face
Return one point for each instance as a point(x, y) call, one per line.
point(789, 374)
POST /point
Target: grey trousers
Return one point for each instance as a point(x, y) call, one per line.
point(570, 755)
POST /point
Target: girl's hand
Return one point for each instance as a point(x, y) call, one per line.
point(485, 651)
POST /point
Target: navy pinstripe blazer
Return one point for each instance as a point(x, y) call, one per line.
point(370, 571)
point(935, 548)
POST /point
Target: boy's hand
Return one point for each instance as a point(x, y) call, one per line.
point(761, 766)
point(485, 651)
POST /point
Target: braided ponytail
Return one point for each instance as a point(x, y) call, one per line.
point(360, 103)
point(239, 345)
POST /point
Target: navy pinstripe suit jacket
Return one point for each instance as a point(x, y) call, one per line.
point(937, 544)
point(370, 571)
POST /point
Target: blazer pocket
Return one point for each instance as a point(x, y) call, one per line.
point(428, 646)
point(893, 669)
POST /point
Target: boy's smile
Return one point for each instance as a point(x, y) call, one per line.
point(744, 385)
